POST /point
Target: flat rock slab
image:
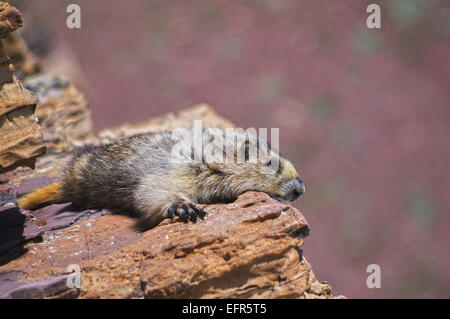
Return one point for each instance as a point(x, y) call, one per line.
point(245, 249)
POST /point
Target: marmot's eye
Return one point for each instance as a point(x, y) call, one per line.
point(274, 165)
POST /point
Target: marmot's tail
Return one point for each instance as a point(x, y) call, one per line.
point(50, 194)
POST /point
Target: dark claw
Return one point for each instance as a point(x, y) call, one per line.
point(171, 212)
point(190, 212)
point(192, 215)
point(183, 215)
point(200, 212)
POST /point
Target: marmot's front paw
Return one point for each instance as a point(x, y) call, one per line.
point(186, 212)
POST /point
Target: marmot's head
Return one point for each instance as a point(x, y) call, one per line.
point(254, 166)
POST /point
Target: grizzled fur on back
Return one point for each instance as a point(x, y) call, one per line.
point(107, 176)
point(147, 175)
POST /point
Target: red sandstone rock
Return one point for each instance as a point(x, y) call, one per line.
point(246, 249)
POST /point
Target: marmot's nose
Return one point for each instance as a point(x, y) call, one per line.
point(297, 188)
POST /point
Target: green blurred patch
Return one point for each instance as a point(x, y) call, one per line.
point(368, 41)
point(347, 135)
point(417, 21)
point(326, 41)
point(272, 6)
point(229, 47)
point(421, 208)
point(408, 10)
point(304, 151)
point(324, 195)
point(441, 22)
point(324, 106)
point(269, 87)
point(354, 75)
point(209, 13)
point(122, 63)
point(155, 47)
point(419, 280)
point(158, 12)
point(170, 88)
point(354, 240)
point(412, 42)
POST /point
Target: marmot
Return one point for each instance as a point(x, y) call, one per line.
point(153, 176)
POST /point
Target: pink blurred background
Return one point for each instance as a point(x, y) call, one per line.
point(363, 113)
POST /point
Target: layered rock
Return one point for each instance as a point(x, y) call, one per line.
point(21, 139)
point(25, 62)
point(62, 109)
point(246, 249)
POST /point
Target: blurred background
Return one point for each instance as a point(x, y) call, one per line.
point(363, 113)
